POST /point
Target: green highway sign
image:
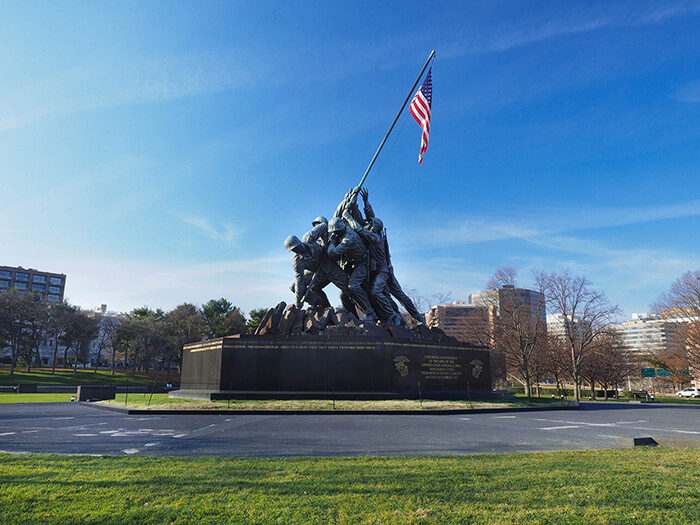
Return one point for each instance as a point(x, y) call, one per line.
point(648, 372)
point(662, 372)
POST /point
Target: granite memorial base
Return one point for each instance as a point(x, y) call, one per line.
point(341, 367)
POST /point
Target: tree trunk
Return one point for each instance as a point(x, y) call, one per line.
point(55, 355)
point(13, 363)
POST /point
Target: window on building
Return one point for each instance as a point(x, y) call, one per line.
point(54, 289)
point(56, 280)
point(4, 284)
point(21, 276)
point(21, 286)
point(53, 298)
point(5, 274)
point(39, 279)
point(38, 288)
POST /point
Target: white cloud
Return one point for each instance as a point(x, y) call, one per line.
point(533, 224)
point(227, 233)
point(689, 93)
point(505, 38)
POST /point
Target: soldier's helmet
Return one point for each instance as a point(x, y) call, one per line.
point(376, 225)
point(291, 242)
point(337, 224)
point(319, 220)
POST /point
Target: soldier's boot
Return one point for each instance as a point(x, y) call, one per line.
point(370, 316)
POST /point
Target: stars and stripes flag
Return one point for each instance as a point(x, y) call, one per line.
point(420, 109)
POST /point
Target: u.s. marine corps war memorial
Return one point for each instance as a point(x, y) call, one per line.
point(369, 347)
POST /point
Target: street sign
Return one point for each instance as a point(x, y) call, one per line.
point(662, 372)
point(648, 372)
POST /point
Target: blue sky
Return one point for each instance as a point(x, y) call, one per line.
point(160, 152)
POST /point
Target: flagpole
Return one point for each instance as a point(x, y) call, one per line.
point(364, 177)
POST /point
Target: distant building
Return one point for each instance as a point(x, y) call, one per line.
point(51, 286)
point(509, 294)
point(472, 324)
point(646, 333)
point(467, 322)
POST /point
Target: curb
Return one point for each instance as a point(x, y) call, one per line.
point(208, 412)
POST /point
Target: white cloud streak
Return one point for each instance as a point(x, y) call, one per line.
point(537, 223)
point(502, 39)
point(227, 233)
point(159, 79)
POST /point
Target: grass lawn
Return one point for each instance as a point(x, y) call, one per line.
point(639, 485)
point(8, 397)
point(43, 376)
point(162, 401)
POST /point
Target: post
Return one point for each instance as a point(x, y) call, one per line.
point(364, 177)
point(152, 389)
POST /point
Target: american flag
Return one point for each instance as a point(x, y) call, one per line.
point(420, 109)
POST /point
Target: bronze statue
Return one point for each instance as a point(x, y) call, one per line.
point(350, 251)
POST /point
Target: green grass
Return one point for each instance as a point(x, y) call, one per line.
point(141, 400)
point(640, 486)
point(43, 376)
point(9, 397)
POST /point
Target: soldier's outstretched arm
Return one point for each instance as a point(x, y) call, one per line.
point(369, 212)
point(350, 220)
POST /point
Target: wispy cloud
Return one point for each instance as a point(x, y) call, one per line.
point(532, 224)
point(226, 233)
point(689, 93)
point(505, 38)
point(142, 80)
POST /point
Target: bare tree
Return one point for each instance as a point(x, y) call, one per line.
point(616, 360)
point(555, 358)
point(585, 314)
point(59, 314)
point(519, 327)
point(12, 324)
point(504, 276)
point(442, 297)
point(680, 308)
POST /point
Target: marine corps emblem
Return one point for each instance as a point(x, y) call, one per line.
point(401, 366)
point(478, 368)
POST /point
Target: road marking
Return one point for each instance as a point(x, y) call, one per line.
point(561, 427)
point(7, 433)
point(179, 435)
point(85, 435)
point(465, 418)
point(108, 431)
point(678, 430)
point(29, 431)
point(153, 444)
point(130, 451)
point(606, 436)
point(204, 428)
point(60, 418)
point(503, 417)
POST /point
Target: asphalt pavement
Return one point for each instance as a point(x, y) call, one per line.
point(72, 428)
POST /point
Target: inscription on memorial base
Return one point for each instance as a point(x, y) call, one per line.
point(325, 364)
